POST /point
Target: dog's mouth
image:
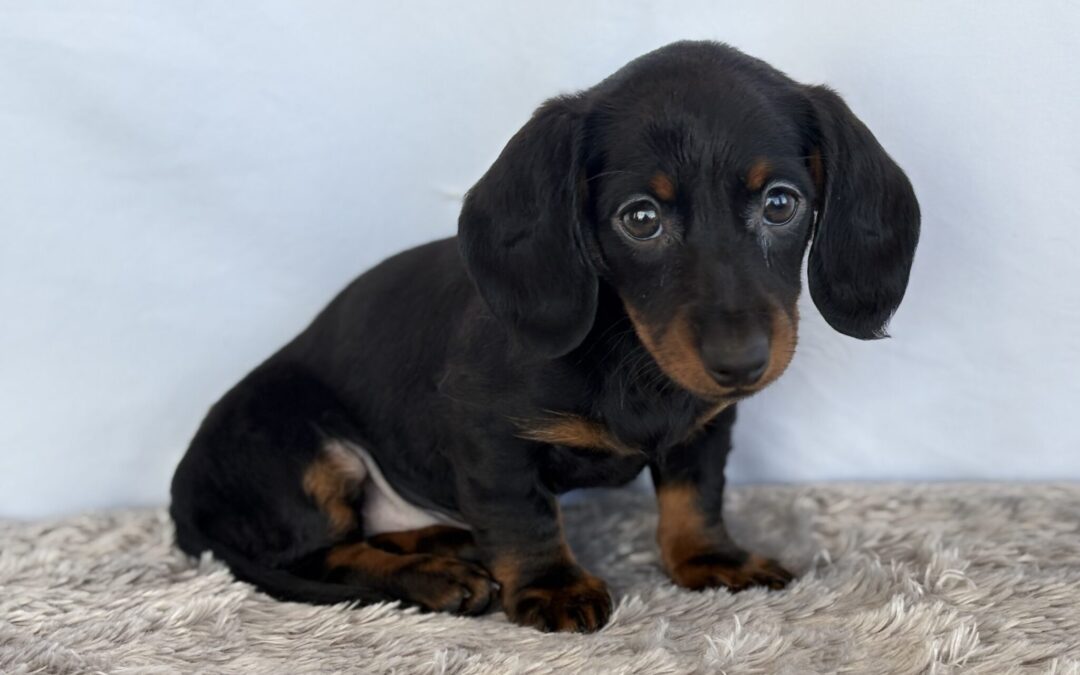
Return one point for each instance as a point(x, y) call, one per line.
point(675, 352)
point(730, 395)
point(741, 392)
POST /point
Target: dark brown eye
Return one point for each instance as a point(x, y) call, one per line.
point(780, 205)
point(641, 221)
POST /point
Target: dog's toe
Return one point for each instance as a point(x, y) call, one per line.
point(720, 571)
point(450, 585)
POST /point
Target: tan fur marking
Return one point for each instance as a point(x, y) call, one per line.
point(333, 481)
point(684, 542)
point(709, 415)
point(756, 570)
point(508, 566)
point(435, 582)
point(663, 187)
point(576, 432)
point(570, 604)
point(398, 542)
point(676, 354)
point(785, 336)
point(435, 539)
point(506, 569)
point(583, 604)
point(758, 174)
point(363, 556)
point(681, 530)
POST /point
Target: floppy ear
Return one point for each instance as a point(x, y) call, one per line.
point(867, 227)
point(520, 234)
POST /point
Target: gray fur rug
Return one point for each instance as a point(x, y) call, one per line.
point(893, 579)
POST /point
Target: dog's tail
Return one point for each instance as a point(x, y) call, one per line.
point(278, 583)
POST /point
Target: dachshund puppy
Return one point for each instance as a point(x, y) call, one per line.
point(623, 275)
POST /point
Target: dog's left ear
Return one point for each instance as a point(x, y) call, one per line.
point(867, 226)
point(520, 233)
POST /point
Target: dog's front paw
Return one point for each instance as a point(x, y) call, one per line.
point(567, 600)
point(736, 573)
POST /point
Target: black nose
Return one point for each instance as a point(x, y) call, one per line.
point(741, 364)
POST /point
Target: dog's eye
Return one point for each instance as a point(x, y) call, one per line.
point(780, 205)
point(641, 221)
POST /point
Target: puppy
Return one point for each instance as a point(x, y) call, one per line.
point(623, 275)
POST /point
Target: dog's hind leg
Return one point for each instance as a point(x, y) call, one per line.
point(424, 567)
point(443, 540)
point(433, 582)
point(270, 490)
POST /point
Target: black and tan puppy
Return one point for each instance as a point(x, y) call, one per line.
point(624, 273)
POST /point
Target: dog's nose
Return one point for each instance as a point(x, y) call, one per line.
point(739, 364)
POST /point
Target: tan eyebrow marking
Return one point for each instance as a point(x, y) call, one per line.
point(757, 175)
point(663, 187)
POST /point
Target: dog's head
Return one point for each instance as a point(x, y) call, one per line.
point(691, 182)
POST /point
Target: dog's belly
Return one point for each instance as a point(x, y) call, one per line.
point(384, 509)
point(569, 468)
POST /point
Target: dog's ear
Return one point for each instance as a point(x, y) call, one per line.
point(520, 233)
point(867, 226)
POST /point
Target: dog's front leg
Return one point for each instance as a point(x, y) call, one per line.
point(519, 531)
point(695, 547)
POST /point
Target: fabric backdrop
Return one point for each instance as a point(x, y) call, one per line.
point(185, 184)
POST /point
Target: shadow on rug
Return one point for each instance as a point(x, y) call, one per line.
point(893, 579)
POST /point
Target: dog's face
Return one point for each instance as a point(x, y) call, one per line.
point(701, 213)
point(691, 182)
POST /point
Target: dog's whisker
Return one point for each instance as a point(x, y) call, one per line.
point(606, 173)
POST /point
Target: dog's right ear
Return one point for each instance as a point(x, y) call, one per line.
point(868, 226)
point(520, 233)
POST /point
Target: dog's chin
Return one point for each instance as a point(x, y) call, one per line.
point(732, 394)
point(714, 394)
point(719, 396)
point(701, 386)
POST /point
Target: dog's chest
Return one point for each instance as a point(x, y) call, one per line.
point(568, 468)
point(584, 452)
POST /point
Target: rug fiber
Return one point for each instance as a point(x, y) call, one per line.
point(892, 579)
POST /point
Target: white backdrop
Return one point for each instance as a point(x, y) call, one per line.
point(184, 184)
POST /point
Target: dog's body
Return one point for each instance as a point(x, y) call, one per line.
point(621, 277)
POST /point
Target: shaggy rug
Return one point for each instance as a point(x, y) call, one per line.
point(893, 579)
